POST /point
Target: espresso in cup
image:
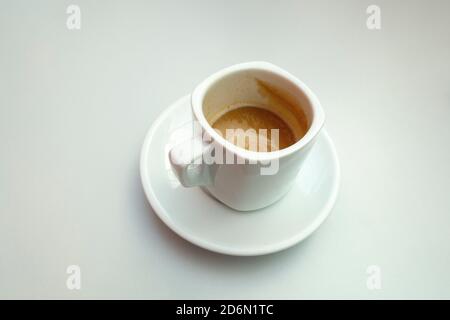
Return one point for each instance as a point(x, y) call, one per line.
point(262, 127)
point(253, 128)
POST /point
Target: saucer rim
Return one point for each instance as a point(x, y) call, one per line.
point(206, 244)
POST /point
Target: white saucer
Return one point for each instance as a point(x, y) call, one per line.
point(204, 221)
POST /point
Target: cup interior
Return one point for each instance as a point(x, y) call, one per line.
point(259, 88)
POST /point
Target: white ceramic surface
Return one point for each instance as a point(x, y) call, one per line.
point(76, 105)
point(197, 217)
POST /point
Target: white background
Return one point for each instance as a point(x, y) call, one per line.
point(75, 107)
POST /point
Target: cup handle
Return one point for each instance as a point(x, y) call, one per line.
point(187, 163)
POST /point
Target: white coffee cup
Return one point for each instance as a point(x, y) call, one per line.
point(254, 179)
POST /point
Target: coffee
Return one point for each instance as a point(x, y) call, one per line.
point(255, 129)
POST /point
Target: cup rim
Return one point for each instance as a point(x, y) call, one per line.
point(318, 116)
